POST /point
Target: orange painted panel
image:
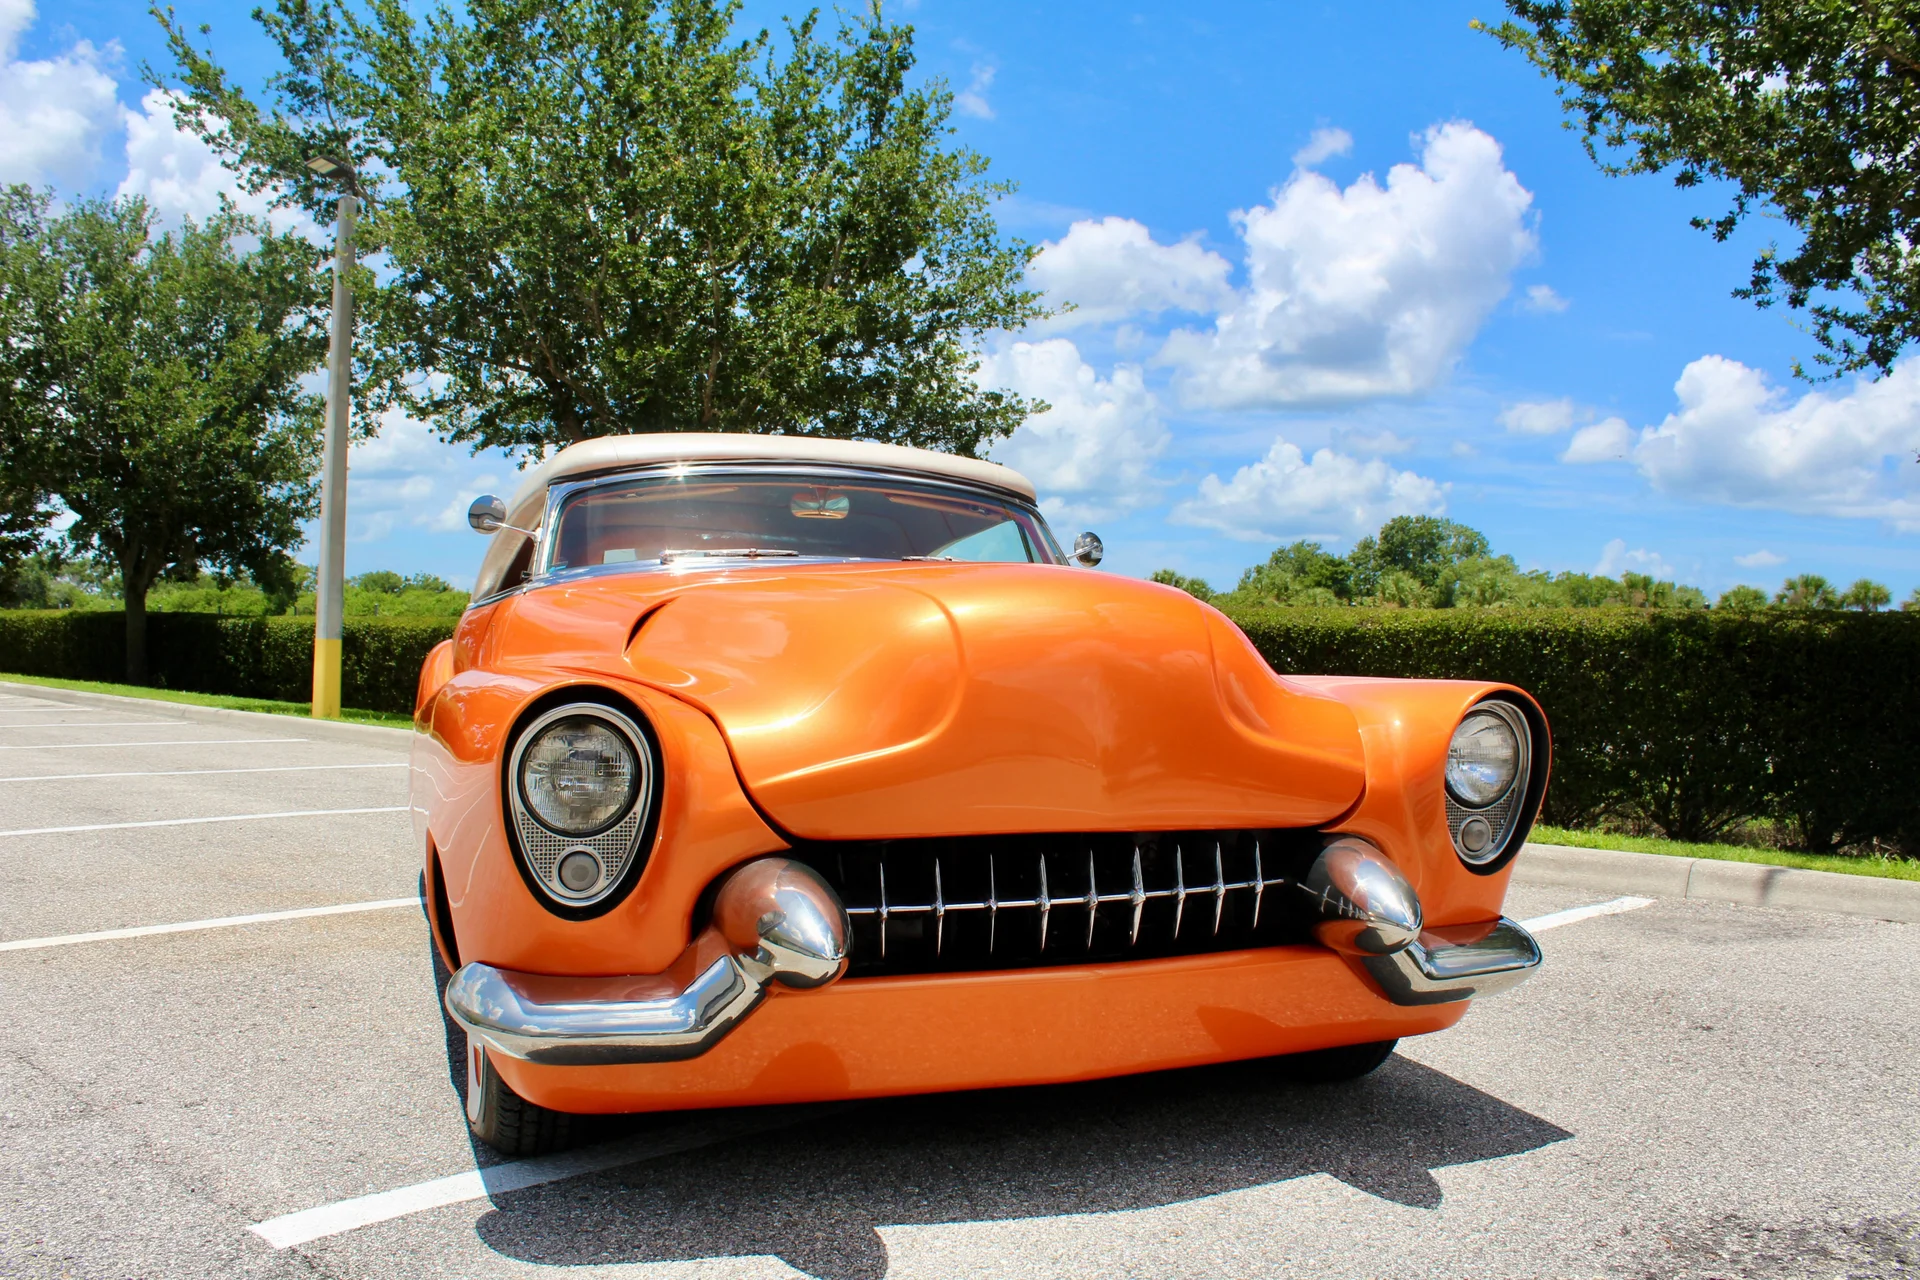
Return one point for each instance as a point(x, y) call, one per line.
point(1406, 725)
point(706, 826)
point(877, 1036)
point(866, 702)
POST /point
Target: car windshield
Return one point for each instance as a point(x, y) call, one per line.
point(686, 516)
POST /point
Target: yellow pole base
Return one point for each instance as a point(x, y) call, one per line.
point(326, 679)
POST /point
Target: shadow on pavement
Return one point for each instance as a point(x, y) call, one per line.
point(814, 1194)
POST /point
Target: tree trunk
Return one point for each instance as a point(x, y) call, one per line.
point(134, 593)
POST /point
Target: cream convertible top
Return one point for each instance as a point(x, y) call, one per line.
point(617, 453)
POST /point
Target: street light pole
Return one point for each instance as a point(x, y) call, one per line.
point(330, 590)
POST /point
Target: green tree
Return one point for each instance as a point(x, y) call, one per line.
point(1809, 108)
point(1866, 595)
point(1743, 599)
point(1807, 591)
point(1912, 603)
point(1423, 547)
point(24, 517)
point(607, 218)
point(154, 387)
point(1300, 573)
point(1195, 587)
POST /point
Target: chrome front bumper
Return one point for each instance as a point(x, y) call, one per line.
point(775, 920)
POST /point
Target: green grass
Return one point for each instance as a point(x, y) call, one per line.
point(268, 705)
point(1862, 865)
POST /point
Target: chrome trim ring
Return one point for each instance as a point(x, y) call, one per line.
point(1503, 816)
point(614, 846)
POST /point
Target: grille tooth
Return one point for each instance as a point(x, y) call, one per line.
point(993, 904)
point(1219, 888)
point(1179, 890)
point(1139, 899)
point(1046, 903)
point(1259, 883)
point(939, 912)
point(883, 909)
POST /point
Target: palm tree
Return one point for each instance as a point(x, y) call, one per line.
point(1866, 595)
point(1808, 591)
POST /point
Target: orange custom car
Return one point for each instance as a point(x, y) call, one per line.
point(769, 769)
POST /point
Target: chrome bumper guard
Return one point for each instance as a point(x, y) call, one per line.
point(773, 921)
point(1434, 970)
point(1367, 910)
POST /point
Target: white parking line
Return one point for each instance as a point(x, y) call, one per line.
point(184, 773)
point(177, 742)
point(189, 822)
point(89, 724)
point(478, 1184)
point(1573, 915)
point(194, 926)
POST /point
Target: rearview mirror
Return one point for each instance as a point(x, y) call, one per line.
point(1088, 550)
point(487, 514)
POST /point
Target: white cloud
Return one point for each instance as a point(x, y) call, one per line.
point(1541, 297)
point(972, 100)
point(1615, 560)
point(1738, 440)
point(1610, 440)
point(54, 111)
point(181, 177)
point(1092, 453)
point(1761, 559)
point(407, 477)
point(1369, 291)
point(1323, 144)
point(1538, 417)
point(1332, 496)
point(1113, 268)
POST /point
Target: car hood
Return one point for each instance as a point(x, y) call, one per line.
point(876, 702)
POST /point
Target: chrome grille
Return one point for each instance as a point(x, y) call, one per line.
point(1014, 901)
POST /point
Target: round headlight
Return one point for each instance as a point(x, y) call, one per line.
point(1483, 759)
point(579, 775)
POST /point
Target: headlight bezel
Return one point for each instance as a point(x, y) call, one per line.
point(619, 847)
point(1486, 836)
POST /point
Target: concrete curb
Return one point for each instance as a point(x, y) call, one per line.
point(1747, 884)
point(373, 735)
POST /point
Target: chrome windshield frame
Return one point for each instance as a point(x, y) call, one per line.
point(558, 495)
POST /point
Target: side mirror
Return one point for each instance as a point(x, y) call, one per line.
point(488, 514)
point(1088, 550)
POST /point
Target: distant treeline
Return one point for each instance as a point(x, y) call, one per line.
point(1424, 562)
point(46, 580)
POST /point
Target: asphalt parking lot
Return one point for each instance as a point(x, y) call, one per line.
point(1686, 1090)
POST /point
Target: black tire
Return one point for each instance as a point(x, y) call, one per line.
point(506, 1121)
point(1330, 1066)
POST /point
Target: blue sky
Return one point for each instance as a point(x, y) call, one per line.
point(1331, 264)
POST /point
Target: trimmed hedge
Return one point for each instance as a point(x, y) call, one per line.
point(1689, 721)
point(206, 653)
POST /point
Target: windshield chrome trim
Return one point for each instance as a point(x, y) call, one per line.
point(557, 495)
